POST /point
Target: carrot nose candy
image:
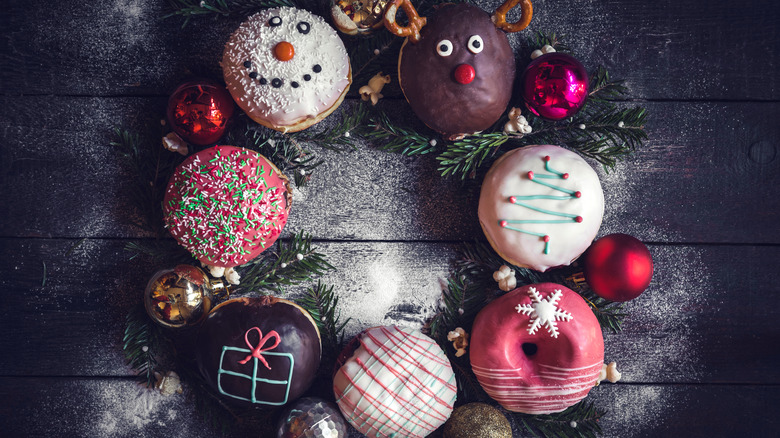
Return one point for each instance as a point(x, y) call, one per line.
point(284, 51)
point(464, 74)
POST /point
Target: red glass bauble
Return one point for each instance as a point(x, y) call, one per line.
point(618, 267)
point(199, 111)
point(554, 86)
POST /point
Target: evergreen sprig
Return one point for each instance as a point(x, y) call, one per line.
point(609, 314)
point(322, 304)
point(189, 9)
point(150, 168)
point(285, 151)
point(338, 138)
point(140, 344)
point(477, 261)
point(394, 138)
point(460, 303)
point(541, 39)
point(283, 267)
point(463, 157)
point(578, 421)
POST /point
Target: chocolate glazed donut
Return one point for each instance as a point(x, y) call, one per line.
point(259, 352)
point(456, 69)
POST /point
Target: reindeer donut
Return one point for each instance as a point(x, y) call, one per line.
point(456, 69)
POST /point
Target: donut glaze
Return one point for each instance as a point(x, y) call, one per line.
point(226, 205)
point(527, 366)
point(433, 84)
point(275, 375)
point(398, 383)
point(286, 68)
point(557, 209)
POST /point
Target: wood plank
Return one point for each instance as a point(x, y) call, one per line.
point(699, 178)
point(120, 408)
point(698, 322)
point(667, 49)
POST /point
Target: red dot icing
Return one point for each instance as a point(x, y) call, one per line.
point(546, 238)
point(512, 199)
point(565, 176)
point(530, 174)
point(503, 224)
point(546, 158)
point(578, 194)
point(578, 219)
point(226, 205)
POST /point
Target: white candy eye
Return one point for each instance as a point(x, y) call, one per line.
point(475, 44)
point(444, 48)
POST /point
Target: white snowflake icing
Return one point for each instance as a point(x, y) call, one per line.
point(544, 311)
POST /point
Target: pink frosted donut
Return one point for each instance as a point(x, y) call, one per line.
point(537, 349)
point(226, 205)
point(398, 383)
point(540, 206)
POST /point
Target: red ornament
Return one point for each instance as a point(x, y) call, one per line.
point(555, 86)
point(618, 267)
point(199, 111)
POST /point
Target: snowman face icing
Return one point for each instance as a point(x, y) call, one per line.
point(285, 65)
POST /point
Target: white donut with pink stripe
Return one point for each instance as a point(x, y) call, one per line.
point(538, 349)
point(398, 383)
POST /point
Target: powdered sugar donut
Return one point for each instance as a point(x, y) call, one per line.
point(397, 383)
point(226, 205)
point(537, 349)
point(541, 206)
point(286, 68)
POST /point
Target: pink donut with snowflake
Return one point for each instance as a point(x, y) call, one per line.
point(537, 349)
point(397, 383)
point(226, 205)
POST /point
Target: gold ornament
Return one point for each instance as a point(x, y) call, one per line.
point(477, 420)
point(180, 297)
point(358, 16)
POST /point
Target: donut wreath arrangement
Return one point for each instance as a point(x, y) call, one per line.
point(519, 332)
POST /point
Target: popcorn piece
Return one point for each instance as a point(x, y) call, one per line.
point(505, 276)
point(373, 89)
point(460, 340)
point(232, 277)
point(609, 372)
point(174, 143)
point(517, 123)
point(168, 384)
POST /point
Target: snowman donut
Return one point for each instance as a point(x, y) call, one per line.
point(286, 68)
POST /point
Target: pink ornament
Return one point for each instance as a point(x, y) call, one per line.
point(555, 86)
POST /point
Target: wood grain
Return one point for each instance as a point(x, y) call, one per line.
point(697, 180)
point(656, 46)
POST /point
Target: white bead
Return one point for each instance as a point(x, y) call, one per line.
point(432, 142)
point(377, 52)
point(302, 171)
point(144, 348)
point(536, 53)
point(581, 126)
point(299, 256)
point(283, 265)
point(621, 124)
point(346, 134)
point(573, 423)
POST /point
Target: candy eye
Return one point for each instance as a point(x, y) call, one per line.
point(444, 48)
point(275, 21)
point(303, 27)
point(475, 44)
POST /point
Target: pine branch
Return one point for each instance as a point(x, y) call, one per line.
point(189, 9)
point(541, 39)
point(578, 421)
point(396, 139)
point(141, 342)
point(285, 151)
point(373, 54)
point(292, 263)
point(322, 304)
point(609, 314)
point(603, 89)
point(150, 168)
point(338, 138)
point(461, 302)
point(478, 261)
point(463, 157)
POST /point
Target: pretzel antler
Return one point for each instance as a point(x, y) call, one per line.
point(416, 22)
point(499, 17)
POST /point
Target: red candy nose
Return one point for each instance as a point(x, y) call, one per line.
point(464, 74)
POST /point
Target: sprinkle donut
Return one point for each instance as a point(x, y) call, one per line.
point(286, 68)
point(226, 205)
point(540, 206)
point(537, 349)
point(398, 383)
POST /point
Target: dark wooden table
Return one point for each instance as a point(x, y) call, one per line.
point(699, 353)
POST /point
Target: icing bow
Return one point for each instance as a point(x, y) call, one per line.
point(257, 352)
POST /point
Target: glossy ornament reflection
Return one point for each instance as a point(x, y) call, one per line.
point(554, 86)
point(180, 297)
